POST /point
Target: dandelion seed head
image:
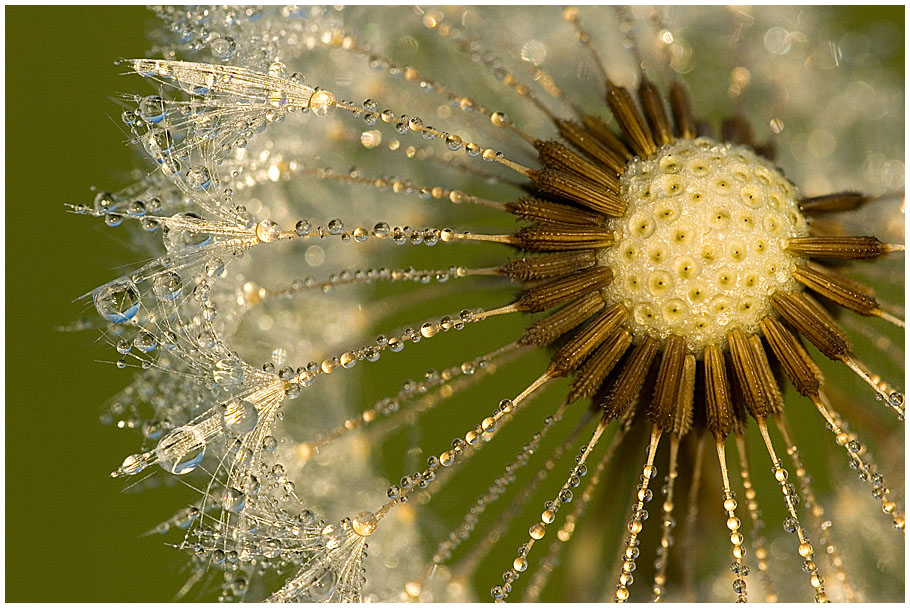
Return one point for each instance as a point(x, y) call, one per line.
point(305, 243)
point(702, 245)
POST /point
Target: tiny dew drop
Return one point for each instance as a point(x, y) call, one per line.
point(132, 464)
point(198, 177)
point(103, 201)
point(336, 226)
point(269, 443)
point(214, 267)
point(303, 227)
point(117, 302)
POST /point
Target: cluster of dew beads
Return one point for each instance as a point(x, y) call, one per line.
point(636, 524)
point(537, 531)
point(496, 489)
point(304, 375)
point(758, 540)
point(865, 470)
point(792, 525)
point(703, 241)
point(668, 523)
point(739, 569)
point(817, 512)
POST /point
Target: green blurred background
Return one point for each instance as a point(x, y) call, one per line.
point(71, 532)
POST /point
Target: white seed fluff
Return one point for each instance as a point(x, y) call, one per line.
point(702, 246)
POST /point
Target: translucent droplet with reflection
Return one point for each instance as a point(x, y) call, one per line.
point(239, 416)
point(178, 239)
point(228, 372)
point(132, 464)
point(233, 500)
point(364, 523)
point(322, 103)
point(151, 109)
point(180, 451)
point(168, 286)
point(198, 177)
point(223, 48)
point(145, 341)
point(321, 586)
point(117, 302)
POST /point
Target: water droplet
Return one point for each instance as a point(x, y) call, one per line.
point(132, 464)
point(181, 237)
point(320, 587)
point(227, 372)
point(267, 231)
point(167, 286)
point(151, 109)
point(223, 48)
point(233, 500)
point(214, 267)
point(303, 227)
point(239, 416)
point(145, 341)
point(198, 177)
point(322, 103)
point(181, 450)
point(364, 523)
point(117, 302)
point(336, 226)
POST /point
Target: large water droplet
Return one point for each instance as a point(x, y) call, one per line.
point(322, 103)
point(321, 586)
point(168, 286)
point(234, 500)
point(151, 108)
point(181, 450)
point(117, 302)
point(239, 416)
point(228, 372)
point(145, 341)
point(178, 239)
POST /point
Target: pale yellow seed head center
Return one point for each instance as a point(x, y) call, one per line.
point(702, 246)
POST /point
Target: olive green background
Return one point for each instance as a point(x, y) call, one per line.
point(70, 534)
point(71, 531)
